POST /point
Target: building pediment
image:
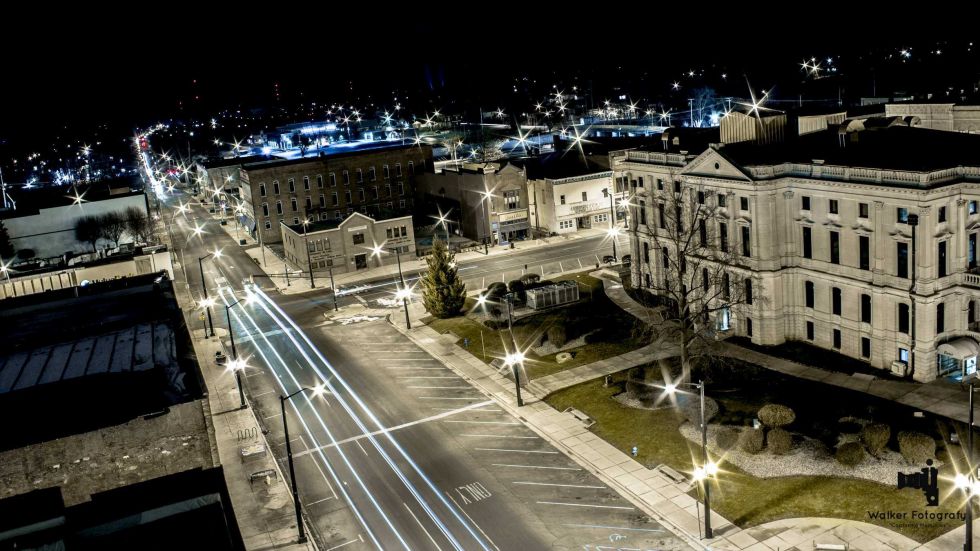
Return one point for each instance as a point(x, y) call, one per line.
point(713, 164)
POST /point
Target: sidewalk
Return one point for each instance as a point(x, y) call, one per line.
point(649, 488)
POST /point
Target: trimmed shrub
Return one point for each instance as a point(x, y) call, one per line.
point(916, 447)
point(689, 406)
point(517, 287)
point(850, 454)
point(776, 415)
point(528, 279)
point(751, 440)
point(779, 441)
point(557, 335)
point(496, 312)
point(875, 437)
point(497, 287)
point(726, 438)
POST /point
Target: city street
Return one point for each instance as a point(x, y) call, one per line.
point(400, 452)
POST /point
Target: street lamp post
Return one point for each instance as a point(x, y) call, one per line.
point(204, 287)
point(516, 360)
point(309, 259)
point(333, 287)
point(708, 468)
point(234, 353)
point(289, 455)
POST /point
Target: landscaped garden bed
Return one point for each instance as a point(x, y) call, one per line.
point(603, 329)
point(811, 475)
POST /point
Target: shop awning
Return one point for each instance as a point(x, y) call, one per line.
point(961, 348)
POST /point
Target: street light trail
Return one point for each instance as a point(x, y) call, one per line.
point(309, 432)
point(336, 376)
point(357, 420)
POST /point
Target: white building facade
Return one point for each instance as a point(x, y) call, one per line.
point(567, 205)
point(357, 243)
point(835, 251)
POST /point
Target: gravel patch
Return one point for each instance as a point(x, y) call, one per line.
point(808, 457)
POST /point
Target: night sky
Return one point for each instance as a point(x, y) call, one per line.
point(134, 67)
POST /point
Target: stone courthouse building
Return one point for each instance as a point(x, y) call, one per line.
point(860, 233)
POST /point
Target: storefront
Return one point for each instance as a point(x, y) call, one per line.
point(957, 359)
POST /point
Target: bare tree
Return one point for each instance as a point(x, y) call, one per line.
point(112, 225)
point(704, 99)
point(699, 271)
point(138, 224)
point(88, 229)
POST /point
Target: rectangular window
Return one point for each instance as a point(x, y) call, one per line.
point(809, 331)
point(723, 236)
point(360, 176)
point(866, 308)
point(333, 179)
point(743, 203)
point(703, 233)
point(972, 207)
point(323, 201)
point(833, 206)
point(903, 318)
point(306, 183)
point(643, 213)
point(903, 259)
point(942, 214)
point(292, 185)
point(748, 327)
point(261, 190)
point(661, 209)
point(746, 241)
point(940, 318)
point(585, 196)
point(309, 202)
point(807, 242)
point(398, 170)
point(862, 210)
point(347, 198)
point(941, 259)
point(808, 294)
point(902, 215)
point(864, 254)
point(700, 197)
point(346, 178)
point(411, 168)
point(677, 186)
point(660, 184)
point(748, 291)
point(319, 181)
point(805, 203)
point(679, 218)
point(639, 181)
point(358, 238)
point(275, 187)
point(561, 198)
point(334, 200)
point(372, 174)
point(385, 173)
point(836, 301)
point(722, 200)
point(903, 355)
point(865, 347)
point(837, 339)
point(835, 247)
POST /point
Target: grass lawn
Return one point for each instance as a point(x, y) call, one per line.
point(597, 313)
point(745, 499)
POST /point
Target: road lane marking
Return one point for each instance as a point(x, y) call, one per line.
point(536, 467)
point(485, 422)
point(263, 393)
point(442, 387)
point(502, 436)
point(612, 527)
point(585, 505)
point(318, 501)
point(345, 544)
point(447, 398)
point(421, 526)
point(398, 427)
point(561, 485)
point(360, 446)
point(473, 521)
point(515, 451)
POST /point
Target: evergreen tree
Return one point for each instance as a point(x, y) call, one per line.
point(443, 293)
point(6, 247)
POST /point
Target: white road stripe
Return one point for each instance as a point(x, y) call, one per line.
point(515, 451)
point(443, 387)
point(485, 422)
point(584, 505)
point(421, 526)
point(536, 467)
point(344, 544)
point(318, 501)
point(502, 436)
point(473, 521)
point(612, 527)
point(447, 398)
point(561, 485)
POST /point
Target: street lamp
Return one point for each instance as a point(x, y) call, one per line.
point(968, 483)
point(515, 361)
point(613, 234)
point(317, 391)
point(708, 469)
point(309, 259)
point(404, 293)
point(236, 364)
point(5, 270)
point(200, 264)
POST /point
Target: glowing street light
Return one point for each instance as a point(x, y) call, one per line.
point(207, 303)
point(516, 361)
point(707, 469)
point(405, 293)
point(317, 390)
point(613, 233)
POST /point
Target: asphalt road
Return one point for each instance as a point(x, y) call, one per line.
point(400, 452)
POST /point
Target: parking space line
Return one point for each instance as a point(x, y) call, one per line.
point(585, 505)
point(536, 467)
point(421, 526)
point(561, 485)
point(319, 501)
point(485, 422)
point(515, 451)
point(344, 544)
point(502, 436)
point(612, 527)
point(263, 393)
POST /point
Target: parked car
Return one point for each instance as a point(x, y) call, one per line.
point(608, 259)
point(627, 260)
point(344, 290)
